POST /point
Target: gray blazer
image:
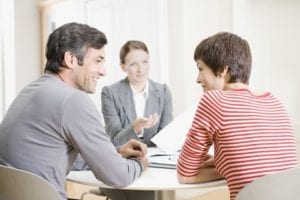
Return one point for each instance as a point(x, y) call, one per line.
point(119, 110)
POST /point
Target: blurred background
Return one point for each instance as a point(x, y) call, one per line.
point(171, 29)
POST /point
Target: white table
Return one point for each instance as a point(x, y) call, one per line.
point(162, 181)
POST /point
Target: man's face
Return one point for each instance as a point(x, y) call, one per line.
point(207, 79)
point(86, 76)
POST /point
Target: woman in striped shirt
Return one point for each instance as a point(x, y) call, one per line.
point(251, 133)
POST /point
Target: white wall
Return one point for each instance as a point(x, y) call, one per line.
point(176, 52)
point(271, 27)
point(20, 48)
point(189, 23)
point(1, 65)
point(7, 42)
point(202, 18)
point(27, 38)
point(281, 63)
point(120, 20)
point(273, 32)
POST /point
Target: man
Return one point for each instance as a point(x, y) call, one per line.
point(53, 119)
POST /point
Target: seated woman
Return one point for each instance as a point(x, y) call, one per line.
point(135, 107)
point(251, 132)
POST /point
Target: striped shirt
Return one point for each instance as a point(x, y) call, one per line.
point(252, 137)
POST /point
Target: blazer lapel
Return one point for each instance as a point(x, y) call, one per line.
point(152, 103)
point(152, 106)
point(127, 100)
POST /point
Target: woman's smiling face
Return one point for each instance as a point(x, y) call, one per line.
point(207, 79)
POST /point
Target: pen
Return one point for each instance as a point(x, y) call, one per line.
point(172, 158)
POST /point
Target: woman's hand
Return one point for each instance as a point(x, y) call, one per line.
point(209, 161)
point(144, 122)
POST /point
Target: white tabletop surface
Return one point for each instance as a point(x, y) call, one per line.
point(151, 179)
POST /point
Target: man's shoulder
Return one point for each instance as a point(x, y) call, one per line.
point(58, 91)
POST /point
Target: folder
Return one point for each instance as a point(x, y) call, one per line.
point(160, 159)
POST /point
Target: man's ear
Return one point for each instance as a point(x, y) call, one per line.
point(69, 60)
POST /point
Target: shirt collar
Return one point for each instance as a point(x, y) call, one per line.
point(144, 93)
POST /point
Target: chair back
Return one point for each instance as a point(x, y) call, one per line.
point(284, 185)
point(18, 184)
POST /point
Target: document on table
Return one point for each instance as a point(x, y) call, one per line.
point(171, 138)
point(161, 159)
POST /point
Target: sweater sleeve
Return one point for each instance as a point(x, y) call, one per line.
point(199, 139)
point(82, 128)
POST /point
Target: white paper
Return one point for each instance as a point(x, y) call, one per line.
point(161, 159)
point(154, 151)
point(171, 138)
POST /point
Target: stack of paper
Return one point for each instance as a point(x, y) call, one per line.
point(171, 138)
point(161, 159)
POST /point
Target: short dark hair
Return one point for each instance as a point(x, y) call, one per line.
point(74, 37)
point(130, 45)
point(226, 49)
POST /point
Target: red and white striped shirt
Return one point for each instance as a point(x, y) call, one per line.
point(252, 137)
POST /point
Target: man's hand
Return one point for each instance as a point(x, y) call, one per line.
point(144, 162)
point(143, 122)
point(133, 148)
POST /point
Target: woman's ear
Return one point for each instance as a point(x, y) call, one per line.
point(224, 72)
point(69, 59)
point(123, 67)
